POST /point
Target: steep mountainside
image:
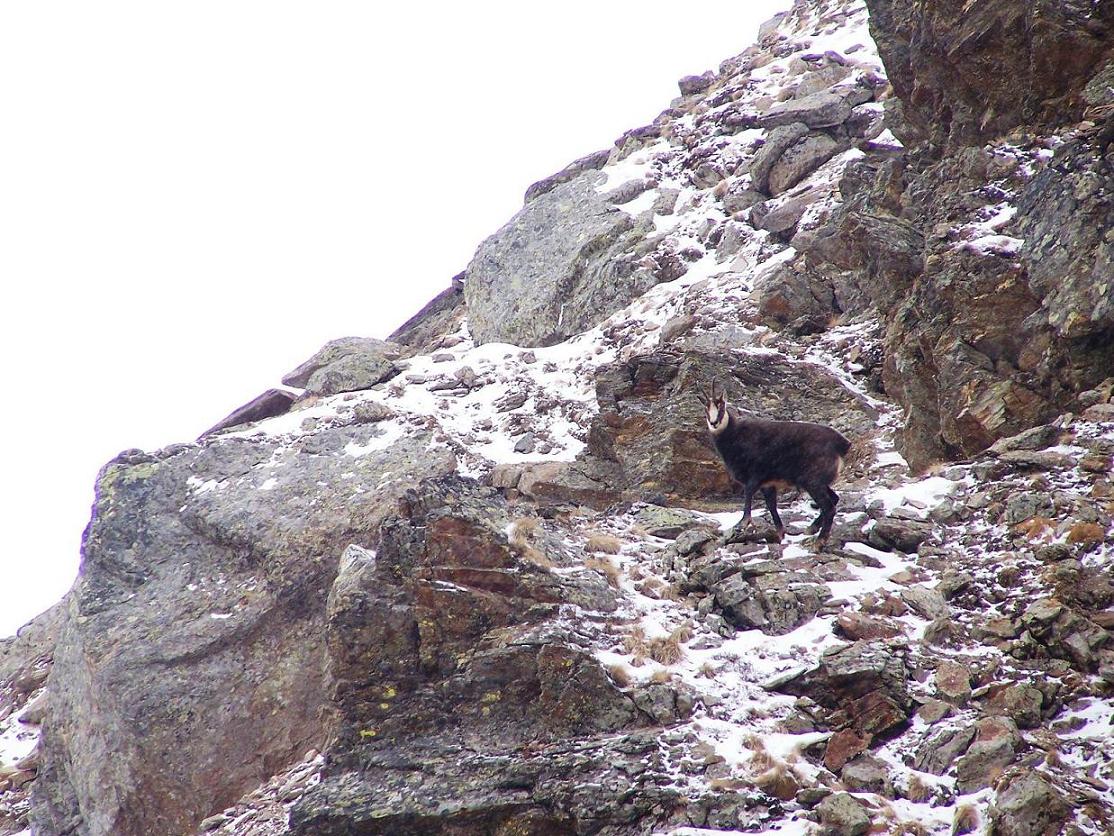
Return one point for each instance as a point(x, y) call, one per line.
point(485, 578)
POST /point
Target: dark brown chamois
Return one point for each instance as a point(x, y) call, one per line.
point(773, 455)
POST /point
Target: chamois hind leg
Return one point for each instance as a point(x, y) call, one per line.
point(769, 493)
point(818, 523)
point(823, 496)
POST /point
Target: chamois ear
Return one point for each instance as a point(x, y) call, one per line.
point(703, 398)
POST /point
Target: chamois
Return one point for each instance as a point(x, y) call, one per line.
point(775, 455)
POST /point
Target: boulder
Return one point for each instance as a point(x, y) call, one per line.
point(348, 364)
point(799, 160)
point(994, 748)
point(556, 268)
point(777, 141)
point(271, 403)
point(589, 162)
point(819, 110)
point(1029, 804)
point(863, 685)
point(843, 815)
point(939, 751)
point(691, 84)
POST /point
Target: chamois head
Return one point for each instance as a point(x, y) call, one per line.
point(715, 408)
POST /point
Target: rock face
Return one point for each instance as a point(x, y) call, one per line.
point(192, 660)
point(967, 74)
point(463, 588)
point(556, 268)
point(998, 319)
point(445, 658)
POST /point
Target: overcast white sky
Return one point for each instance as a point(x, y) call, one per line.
point(194, 196)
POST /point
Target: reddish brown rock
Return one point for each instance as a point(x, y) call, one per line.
point(842, 747)
point(953, 682)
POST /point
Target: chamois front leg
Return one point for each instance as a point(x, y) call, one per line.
point(769, 493)
point(745, 524)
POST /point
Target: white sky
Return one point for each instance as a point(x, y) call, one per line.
point(194, 196)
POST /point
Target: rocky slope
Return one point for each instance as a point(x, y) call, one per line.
point(483, 577)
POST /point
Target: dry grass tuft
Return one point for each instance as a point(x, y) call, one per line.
point(1087, 534)
point(634, 643)
point(619, 675)
point(668, 650)
point(1035, 528)
point(917, 790)
point(605, 567)
point(966, 820)
point(661, 676)
point(708, 670)
point(605, 543)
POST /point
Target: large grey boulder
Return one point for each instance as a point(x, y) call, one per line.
point(556, 268)
point(191, 662)
point(800, 160)
point(777, 140)
point(820, 110)
point(348, 364)
point(1029, 804)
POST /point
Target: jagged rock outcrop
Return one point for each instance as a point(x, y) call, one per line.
point(191, 663)
point(564, 262)
point(448, 656)
point(995, 292)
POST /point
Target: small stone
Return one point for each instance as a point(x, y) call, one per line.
point(933, 711)
point(953, 682)
point(928, 603)
point(844, 815)
point(842, 747)
point(525, 443)
point(992, 751)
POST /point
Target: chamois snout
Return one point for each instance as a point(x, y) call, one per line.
point(769, 456)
